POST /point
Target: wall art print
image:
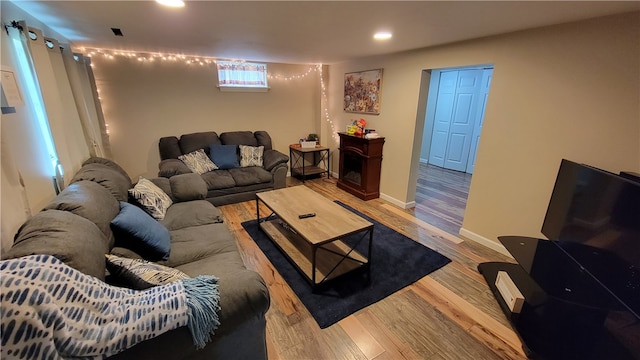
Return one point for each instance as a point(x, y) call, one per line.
point(362, 91)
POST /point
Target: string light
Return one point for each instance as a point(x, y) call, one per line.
point(327, 118)
point(297, 76)
point(203, 60)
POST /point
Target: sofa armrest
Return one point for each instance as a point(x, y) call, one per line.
point(272, 158)
point(171, 167)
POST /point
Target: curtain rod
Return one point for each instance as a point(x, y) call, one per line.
point(13, 24)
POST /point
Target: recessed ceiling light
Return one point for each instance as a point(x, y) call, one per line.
point(171, 3)
point(383, 35)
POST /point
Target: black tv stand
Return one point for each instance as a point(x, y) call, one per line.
point(566, 312)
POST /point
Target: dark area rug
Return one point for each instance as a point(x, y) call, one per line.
point(397, 261)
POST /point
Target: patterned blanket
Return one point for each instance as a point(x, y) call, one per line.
point(50, 311)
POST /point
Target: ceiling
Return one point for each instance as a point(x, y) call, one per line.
point(300, 31)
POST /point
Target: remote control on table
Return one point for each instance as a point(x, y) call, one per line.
point(304, 216)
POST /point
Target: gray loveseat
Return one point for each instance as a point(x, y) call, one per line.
point(75, 227)
point(229, 185)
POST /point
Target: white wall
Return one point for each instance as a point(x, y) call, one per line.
point(145, 101)
point(567, 91)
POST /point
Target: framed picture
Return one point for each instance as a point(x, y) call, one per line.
point(362, 91)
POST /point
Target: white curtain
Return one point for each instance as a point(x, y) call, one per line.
point(88, 71)
point(84, 100)
point(59, 123)
point(59, 103)
point(236, 74)
point(27, 152)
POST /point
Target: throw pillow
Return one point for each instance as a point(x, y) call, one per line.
point(251, 155)
point(140, 274)
point(136, 230)
point(198, 162)
point(151, 198)
point(225, 156)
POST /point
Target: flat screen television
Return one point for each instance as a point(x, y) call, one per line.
point(594, 217)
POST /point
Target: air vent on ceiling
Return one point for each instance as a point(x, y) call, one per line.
point(117, 32)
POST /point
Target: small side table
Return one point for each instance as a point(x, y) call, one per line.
point(319, 163)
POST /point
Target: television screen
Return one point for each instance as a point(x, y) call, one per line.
point(594, 216)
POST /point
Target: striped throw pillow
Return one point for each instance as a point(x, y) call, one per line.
point(198, 162)
point(140, 274)
point(251, 155)
point(151, 198)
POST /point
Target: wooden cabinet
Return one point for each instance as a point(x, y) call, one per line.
point(360, 164)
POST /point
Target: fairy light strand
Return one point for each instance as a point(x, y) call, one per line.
point(146, 57)
point(334, 131)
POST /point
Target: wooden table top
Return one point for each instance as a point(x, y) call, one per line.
point(298, 147)
point(331, 222)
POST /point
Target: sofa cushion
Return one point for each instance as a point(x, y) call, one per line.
point(151, 198)
point(198, 162)
point(111, 179)
point(70, 238)
point(91, 201)
point(195, 141)
point(171, 167)
point(138, 231)
point(187, 187)
point(192, 213)
point(125, 253)
point(250, 176)
point(169, 147)
point(140, 274)
point(219, 179)
point(225, 156)
point(251, 155)
point(238, 138)
point(107, 162)
point(197, 242)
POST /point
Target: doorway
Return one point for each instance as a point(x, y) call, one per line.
point(458, 106)
point(454, 116)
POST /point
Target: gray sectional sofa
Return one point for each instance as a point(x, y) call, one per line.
point(225, 186)
point(76, 228)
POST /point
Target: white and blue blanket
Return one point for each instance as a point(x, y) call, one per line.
point(50, 311)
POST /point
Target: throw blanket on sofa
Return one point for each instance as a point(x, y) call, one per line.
point(50, 310)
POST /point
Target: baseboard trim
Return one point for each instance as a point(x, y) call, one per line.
point(397, 202)
point(484, 241)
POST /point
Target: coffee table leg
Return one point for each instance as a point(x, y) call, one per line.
point(314, 249)
point(369, 255)
point(257, 208)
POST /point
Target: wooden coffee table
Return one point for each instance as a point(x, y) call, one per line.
point(314, 245)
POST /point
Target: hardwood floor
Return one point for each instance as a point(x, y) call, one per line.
point(450, 314)
point(441, 197)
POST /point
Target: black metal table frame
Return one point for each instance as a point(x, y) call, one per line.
point(300, 157)
point(314, 248)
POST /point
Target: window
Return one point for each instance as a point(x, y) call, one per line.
point(242, 75)
point(25, 64)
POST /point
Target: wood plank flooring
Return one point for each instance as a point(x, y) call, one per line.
point(441, 197)
point(450, 314)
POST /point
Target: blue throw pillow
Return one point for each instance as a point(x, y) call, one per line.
point(134, 229)
point(224, 156)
